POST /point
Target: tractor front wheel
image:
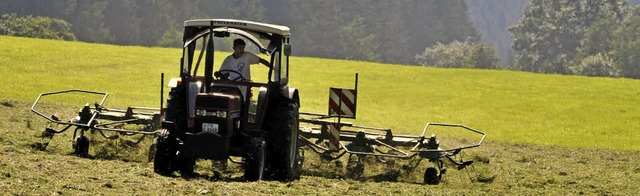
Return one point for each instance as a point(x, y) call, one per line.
point(282, 141)
point(255, 160)
point(164, 156)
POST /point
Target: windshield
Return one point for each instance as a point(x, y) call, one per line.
point(195, 51)
point(260, 40)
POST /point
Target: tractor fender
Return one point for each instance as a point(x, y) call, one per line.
point(292, 93)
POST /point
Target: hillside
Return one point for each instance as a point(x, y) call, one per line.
point(547, 134)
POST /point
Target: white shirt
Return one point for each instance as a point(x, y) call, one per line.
point(241, 65)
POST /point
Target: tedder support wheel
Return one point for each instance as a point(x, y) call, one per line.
point(431, 176)
point(81, 146)
point(152, 152)
point(255, 160)
point(355, 166)
point(282, 141)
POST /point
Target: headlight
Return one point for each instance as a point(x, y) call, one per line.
point(201, 112)
point(222, 114)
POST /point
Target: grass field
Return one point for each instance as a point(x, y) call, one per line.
point(515, 107)
point(547, 134)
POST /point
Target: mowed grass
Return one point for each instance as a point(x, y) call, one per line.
point(517, 107)
point(120, 167)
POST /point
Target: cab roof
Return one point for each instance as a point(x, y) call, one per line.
point(239, 24)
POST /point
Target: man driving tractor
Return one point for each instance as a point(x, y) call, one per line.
point(240, 62)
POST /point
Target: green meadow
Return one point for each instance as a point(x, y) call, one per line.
point(517, 107)
point(547, 134)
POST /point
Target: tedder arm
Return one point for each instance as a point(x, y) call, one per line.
point(132, 121)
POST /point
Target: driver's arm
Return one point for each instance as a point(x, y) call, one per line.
point(265, 62)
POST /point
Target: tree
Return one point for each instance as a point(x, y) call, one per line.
point(549, 36)
point(36, 27)
point(87, 18)
point(247, 9)
point(156, 18)
point(312, 25)
point(467, 54)
point(484, 57)
point(391, 33)
point(121, 16)
point(596, 65)
point(598, 38)
point(171, 38)
point(626, 46)
point(432, 21)
point(354, 35)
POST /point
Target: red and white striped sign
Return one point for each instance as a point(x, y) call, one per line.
point(334, 136)
point(342, 102)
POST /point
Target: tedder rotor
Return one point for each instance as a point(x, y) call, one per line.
point(130, 121)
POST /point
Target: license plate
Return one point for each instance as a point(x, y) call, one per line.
point(209, 127)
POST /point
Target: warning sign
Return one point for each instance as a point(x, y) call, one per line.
point(342, 102)
point(334, 136)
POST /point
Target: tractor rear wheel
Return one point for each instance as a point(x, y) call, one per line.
point(255, 160)
point(187, 166)
point(282, 141)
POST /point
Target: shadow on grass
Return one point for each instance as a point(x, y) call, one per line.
point(215, 177)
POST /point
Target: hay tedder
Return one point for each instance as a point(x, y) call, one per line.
point(333, 138)
point(217, 118)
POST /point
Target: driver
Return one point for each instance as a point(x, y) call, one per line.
point(240, 60)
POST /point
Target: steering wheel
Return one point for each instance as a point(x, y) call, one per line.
point(220, 75)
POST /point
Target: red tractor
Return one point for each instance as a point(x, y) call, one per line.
point(210, 117)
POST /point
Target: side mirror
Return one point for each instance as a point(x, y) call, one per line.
point(287, 49)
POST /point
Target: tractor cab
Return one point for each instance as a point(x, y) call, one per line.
point(213, 117)
point(206, 83)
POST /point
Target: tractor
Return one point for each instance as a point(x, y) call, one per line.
point(210, 117)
